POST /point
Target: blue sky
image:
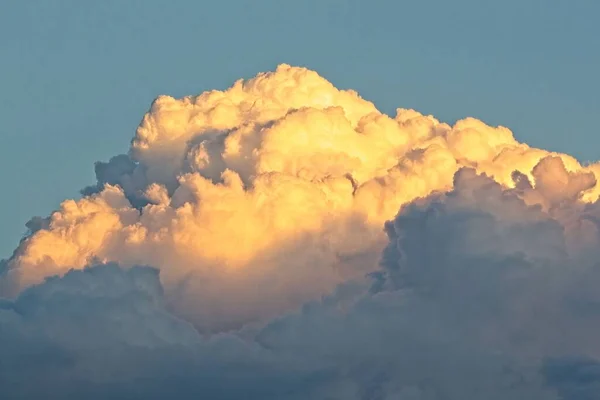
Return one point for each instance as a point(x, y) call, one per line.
point(76, 77)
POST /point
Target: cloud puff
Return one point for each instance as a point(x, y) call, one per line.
point(105, 332)
point(261, 214)
point(258, 198)
point(479, 295)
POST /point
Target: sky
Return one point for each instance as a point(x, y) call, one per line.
point(76, 77)
point(311, 200)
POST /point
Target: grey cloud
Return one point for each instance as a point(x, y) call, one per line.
point(120, 170)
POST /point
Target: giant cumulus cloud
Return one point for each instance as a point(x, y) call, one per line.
point(283, 239)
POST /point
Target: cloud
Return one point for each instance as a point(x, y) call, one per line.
point(288, 235)
point(280, 183)
point(478, 295)
point(105, 332)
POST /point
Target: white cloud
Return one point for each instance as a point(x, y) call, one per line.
point(253, 203)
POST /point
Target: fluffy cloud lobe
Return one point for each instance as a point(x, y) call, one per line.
point(288, 237)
